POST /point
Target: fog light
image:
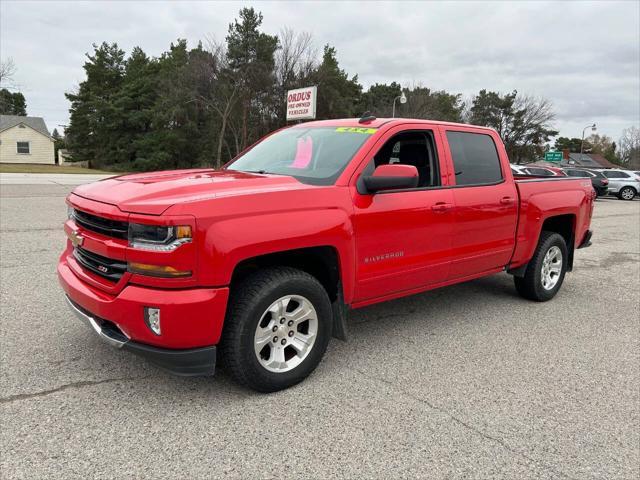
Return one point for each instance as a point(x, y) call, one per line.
point(152, 319)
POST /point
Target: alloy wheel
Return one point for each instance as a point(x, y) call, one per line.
point(551, 268)
point(286, 333)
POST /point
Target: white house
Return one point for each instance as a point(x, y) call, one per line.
point(25, 140)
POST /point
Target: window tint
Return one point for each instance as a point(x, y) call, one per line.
point(410, 148)
point(616, 174)
point(475, 158)
point(578, 173)
point(23, 147)
point(540, 171)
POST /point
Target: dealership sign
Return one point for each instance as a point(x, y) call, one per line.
point(301, 103)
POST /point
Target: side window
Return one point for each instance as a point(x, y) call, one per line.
point(411, 148)
point(475, 158)
point(615, 174)
point(577, 173)
point(539, 171)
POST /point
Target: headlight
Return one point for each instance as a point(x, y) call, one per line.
point(70, 211)
point(158, 238)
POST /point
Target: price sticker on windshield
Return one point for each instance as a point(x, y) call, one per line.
point(366, 131)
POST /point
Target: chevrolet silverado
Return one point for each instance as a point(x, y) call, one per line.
point(258, 263)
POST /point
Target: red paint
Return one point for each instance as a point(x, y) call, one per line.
point(395, 171)
point(388, 245)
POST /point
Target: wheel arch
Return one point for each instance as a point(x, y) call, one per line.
point(322, 262)
point(565, 226)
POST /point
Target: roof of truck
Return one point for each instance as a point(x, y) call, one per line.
point(379, 122)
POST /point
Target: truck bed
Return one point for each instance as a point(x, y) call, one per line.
point(544, 197)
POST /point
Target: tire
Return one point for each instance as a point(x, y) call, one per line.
point(256, 361)
point(627, 193)
point(531, 286)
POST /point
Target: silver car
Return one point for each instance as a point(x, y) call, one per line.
point(624, 184)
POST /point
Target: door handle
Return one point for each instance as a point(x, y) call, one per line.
point(506, 200)
point(441, 207)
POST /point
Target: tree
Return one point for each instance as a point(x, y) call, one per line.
point(7, 70)
point(92, 114)
point(250, 54)
point(178, 134)
point(523, 122)
point(572, 144)
point(12, 103)
point(338, 95)
point(603, 145)
point(295, 61)
point(378, 99)
point(58, 143)
point(425, 103)
point(629, 153)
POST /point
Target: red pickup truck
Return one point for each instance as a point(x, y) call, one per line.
point(260, 261)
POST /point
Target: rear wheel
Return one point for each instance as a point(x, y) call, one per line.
point(626, 193)
point(546, 270)
point(277, 328)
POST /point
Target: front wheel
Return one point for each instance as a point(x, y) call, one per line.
point(626, 193)
point(277, 328)
point(546, 270)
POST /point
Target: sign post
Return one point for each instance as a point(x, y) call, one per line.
point(301, 103)
point(555, 157)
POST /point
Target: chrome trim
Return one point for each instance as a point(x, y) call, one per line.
point(94, 325)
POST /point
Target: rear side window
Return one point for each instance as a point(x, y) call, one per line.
point(475, 158)
point(578, 173)
point(616, 174)
point(543, 172)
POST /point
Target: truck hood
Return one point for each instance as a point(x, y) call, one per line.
point(153, 193)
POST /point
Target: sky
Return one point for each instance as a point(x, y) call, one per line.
point(582, 56)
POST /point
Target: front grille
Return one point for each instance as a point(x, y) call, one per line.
point(104, 226)
point(105, 267)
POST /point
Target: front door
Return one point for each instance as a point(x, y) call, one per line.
point(403, 237)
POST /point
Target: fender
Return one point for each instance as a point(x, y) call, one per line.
point(538, 208)
point(235, 239)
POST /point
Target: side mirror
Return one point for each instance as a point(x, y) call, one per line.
point(391, 177)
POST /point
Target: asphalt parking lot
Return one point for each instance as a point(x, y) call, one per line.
point(464, 382)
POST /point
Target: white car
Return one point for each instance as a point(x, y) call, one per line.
point(517, 170)
point(624, 184)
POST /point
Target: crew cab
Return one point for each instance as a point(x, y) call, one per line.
point(258, 263)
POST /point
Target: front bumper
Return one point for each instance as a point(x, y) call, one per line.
point(191, 320)
point(187, 362)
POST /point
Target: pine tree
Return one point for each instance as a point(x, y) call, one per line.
point(93, 124)
point(12, 103)
point(338, 95)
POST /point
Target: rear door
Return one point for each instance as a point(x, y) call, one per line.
point(403, 237)
point(617, 179)
point(485, 201)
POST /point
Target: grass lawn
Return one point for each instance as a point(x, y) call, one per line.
point(30, 168)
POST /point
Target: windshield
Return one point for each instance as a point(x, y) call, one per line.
point(312, 155)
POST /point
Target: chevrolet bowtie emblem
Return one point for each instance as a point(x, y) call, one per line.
point(75, 237)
